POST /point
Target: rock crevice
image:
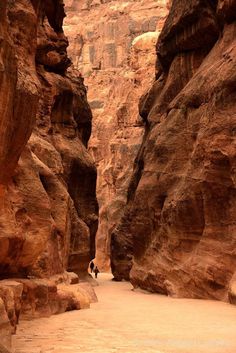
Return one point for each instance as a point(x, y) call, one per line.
point(113, 44)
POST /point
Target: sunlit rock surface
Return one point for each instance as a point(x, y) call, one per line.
point(113, 44)
point(178, 234)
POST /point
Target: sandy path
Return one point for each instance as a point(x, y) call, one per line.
point(126, 321)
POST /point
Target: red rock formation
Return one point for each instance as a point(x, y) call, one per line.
point(19, 87)
point(52, 192)
point(5, 328)
point(113, 45)
point(178, 233)
point(48, 207)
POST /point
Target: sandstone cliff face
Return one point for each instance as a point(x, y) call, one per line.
point(178, 234)
point(48, 207)
point(113, 44)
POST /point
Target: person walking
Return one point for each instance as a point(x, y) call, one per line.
point(96, 271)
point(91, 266)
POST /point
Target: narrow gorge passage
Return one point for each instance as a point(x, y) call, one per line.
point(118, 146)
point(127, 321)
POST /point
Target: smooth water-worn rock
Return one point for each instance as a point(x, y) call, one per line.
point(48, 206)
point(48, 203)
point(178, 234)
point(113, 44)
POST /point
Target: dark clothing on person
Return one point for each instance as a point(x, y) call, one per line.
point(96, 271)
point(91, 266)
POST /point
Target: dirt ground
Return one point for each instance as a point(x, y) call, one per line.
point(124, 321)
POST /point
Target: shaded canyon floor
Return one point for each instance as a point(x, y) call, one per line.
point(127, 321)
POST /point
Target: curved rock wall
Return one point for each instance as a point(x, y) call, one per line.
point(178, 234)
point(113, 44)
point(48, 207)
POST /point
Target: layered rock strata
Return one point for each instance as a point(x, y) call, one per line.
point(48, 207)
point(113, 44)
point(178, 234)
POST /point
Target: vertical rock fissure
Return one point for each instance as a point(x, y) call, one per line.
point(112, 43)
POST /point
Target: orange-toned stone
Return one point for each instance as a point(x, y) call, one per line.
point(178, 234)
point(112, 43)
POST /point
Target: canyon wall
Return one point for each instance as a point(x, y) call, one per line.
point(178, 232)
point(48, 206)
point(112, 43)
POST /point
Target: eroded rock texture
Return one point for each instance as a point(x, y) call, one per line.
point(178, 234)
point(48, 207)
point(113, 44)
